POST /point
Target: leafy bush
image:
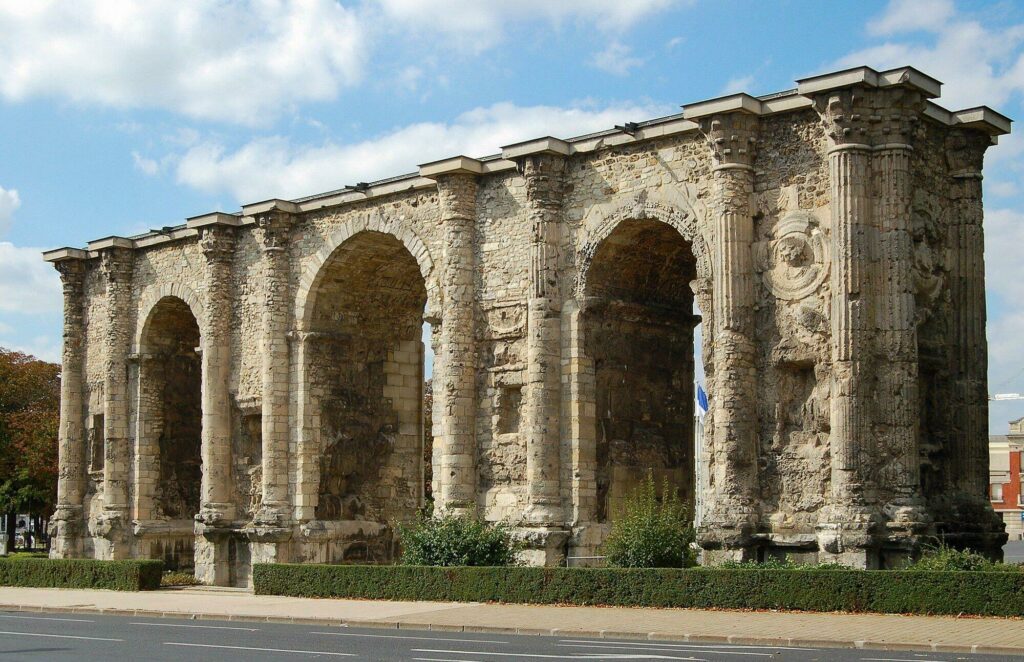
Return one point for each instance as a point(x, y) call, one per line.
point(451, 540)
point(779, 564)
point(177, 578)
point(943, 558)
point(129, 575)
point(882, 591)
point(653, 531)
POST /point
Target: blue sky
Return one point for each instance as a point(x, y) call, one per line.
point(116, 117)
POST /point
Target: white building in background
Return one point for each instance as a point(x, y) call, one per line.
point(1005, 480)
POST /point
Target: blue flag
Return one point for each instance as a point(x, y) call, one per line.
point(702, 400)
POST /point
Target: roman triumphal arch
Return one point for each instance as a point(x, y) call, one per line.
point(250, 386)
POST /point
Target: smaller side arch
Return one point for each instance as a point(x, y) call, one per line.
point(153, 295)
point(312, 270)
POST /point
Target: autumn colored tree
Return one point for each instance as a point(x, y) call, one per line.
point(29, 420)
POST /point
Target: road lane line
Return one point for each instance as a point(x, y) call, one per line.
point(441, 659)
point(580, 656)
point(201, 627)
point(399, 636)
point(646, 642)
point(263, 650)
point(57, 636)
point(898, 659)
point(676, 649)
point(49, 618)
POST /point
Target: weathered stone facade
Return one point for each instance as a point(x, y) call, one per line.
point(248, 387)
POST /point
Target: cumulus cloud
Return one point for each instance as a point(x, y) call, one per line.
point(237, 62)
point(616, 59)
point(978, 64)
point(27, 284)
point(9, 201)
point(738, 84)
point(275, 166)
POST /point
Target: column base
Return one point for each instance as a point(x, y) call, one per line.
point(964, 521)
point(846, 536)
point(727, 534)
point(543, 514)
point(66, 528)
point(543, 545)
point(112, 536)
point(216, 515)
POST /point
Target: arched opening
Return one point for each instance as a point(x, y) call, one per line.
point(638, 326)
point(170, 439)
point(365, 363)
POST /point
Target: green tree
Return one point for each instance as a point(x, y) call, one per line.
point(29, 419)
point(452, 540)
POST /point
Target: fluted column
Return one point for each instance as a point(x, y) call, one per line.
point(544, 175)
point(116, 264)
point(968, 470)
point(217, 243)
point(273, 230)
point(455, 384)
point(67, 517)
point(731, 510)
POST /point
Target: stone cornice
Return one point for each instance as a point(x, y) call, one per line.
point(981, 118)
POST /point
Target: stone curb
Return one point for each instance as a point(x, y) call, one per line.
point(734, 639)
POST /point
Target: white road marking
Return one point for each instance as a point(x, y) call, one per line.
point(441, 659)
point(677, 649)
point(201, 627)
point(646, 642)
point(49, 618)
point(580, 656)
point(400, 636)
point(898, 659)
point(57, 636)
point(263, 650)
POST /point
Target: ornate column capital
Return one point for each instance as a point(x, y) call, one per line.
point(732, 138)
point(116, 264)
point(965, 152)
point(72, 276)
point(273, 229)
point(217, 243)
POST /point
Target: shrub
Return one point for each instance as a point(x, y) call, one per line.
point(779, 564)
point(943, 558)
point(176, 578)
point(451, 540)
point(653, 531)
point(130, 575)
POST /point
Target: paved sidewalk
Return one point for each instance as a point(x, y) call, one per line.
point(878, 631)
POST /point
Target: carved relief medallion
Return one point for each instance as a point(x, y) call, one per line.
point(794, 260)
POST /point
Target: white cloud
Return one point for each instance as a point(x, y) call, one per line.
point(738, 84)
point(481, 24)
point(616, 59)
point(27, 284)
point(274, 166)
point(978, 64)
point(9, 201)
point(911, 15)
point(145, 165)
point(238, 62)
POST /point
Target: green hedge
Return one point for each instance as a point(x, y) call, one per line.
point(885, 591)
point(81, 573)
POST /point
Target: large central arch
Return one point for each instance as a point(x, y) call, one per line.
point(362, 369)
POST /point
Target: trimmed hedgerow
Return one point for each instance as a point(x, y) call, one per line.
point(131, 575)
point(884, 591)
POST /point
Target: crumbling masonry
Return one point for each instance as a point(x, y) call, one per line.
point(248, 387)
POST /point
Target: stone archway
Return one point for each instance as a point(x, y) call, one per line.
point(637, 327)
point(169, 444)
point(362, 369)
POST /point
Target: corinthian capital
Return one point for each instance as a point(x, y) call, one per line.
point(965, 152)
point(273, 229)
point(116, 264)
point(732, 137)
point(845, 115)
point(217, 243)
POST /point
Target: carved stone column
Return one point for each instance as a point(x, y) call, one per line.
point(845, 525)
point(544, 175)
point(116, 263)
point(967, 459)
point(217, 510)
point(67, 519)
point(899, 403)
point(273, 230)
point(731, 511)
point(455, 384)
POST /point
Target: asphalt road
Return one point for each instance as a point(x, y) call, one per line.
point(1013, 551)
point(34, 636)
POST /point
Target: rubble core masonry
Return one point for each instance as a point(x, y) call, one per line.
point(248, 387)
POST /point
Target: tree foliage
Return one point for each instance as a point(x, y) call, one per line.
point(653, 531)
point(452, 540)
point(29, 419)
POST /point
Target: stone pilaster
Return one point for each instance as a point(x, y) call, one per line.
point(731, 513)
point(455, 385)
point(216, 510)
point(116, 264)
point(967, 460)
point(544, 175)
point(273, 231)
point(845, 524)
point(893, 131)
point(67, 520)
